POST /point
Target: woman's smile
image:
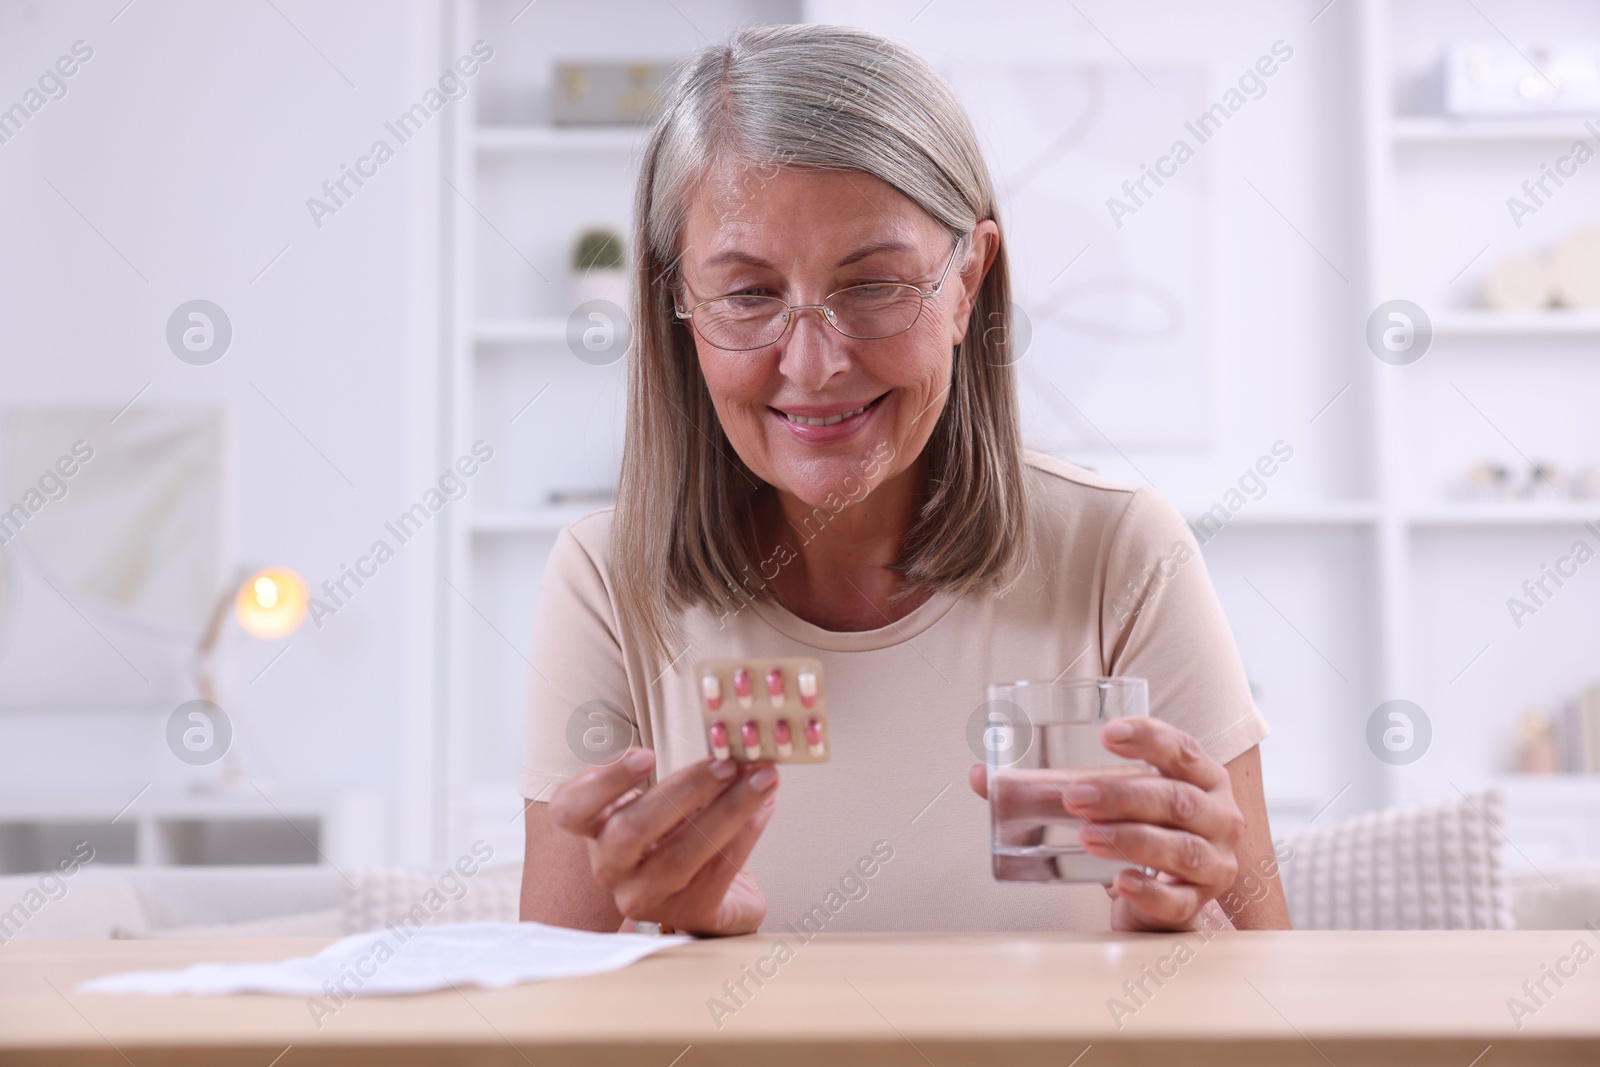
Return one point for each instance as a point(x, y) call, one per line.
point(825, 424)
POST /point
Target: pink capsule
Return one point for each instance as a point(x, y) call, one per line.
point(719, 740)
point(780, 735)
point(807, 680)
point(711, 690)
point(750, 734)
point(775, 688)
point(741, 688)
point(814, 737)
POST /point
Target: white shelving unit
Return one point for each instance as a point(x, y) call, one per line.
point(1495, 535)
point(499, 541)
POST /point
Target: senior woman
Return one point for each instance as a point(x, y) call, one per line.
point(823, 458)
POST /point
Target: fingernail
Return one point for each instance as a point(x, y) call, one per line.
point(1118, 731)
point(723, 769)
point(1082, 793)
point(763, 779)
point(639, 760)
point(1098, 835)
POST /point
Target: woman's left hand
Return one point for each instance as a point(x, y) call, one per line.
point(1184, 824)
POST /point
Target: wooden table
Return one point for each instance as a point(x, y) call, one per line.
point(1285, 999)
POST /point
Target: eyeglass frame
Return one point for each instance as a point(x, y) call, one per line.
point(827, 313)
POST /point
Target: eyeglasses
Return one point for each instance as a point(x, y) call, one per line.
point(865, 312)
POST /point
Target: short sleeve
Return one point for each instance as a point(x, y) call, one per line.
point(578, 709)
point(1162, 622)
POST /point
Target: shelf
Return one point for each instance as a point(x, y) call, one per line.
point(551, 330)
point(1338, 513)
point(1549, 786)
point(1423, 131)
point(222, 802)
point(1488, 513)
point(1332, 513)
point(559, 140)
point(1516, 323)
point(542, 520)
point(1507, 513)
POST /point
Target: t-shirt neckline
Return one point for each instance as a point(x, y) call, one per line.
point(898, 632)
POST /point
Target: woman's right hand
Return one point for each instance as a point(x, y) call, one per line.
point(674, 854)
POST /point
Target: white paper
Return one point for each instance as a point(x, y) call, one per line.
point(406, 960)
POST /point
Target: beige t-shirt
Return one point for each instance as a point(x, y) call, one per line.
point(1117, 587)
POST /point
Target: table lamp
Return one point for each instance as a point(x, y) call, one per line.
point(268, 604)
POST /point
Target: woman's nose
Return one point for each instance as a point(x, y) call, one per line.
point(813, 351)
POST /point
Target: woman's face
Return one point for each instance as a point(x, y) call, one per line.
point(801, 234)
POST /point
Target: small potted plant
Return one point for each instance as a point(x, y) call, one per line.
point(598, 270)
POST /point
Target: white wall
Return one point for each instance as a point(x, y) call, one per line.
point(191, 141)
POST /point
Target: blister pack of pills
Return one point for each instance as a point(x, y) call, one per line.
point(764, 709)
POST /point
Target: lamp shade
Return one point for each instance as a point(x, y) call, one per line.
point(271, 603)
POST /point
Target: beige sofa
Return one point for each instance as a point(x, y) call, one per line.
point(103, 901)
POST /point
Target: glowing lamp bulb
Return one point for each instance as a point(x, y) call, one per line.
point(266, 591)
point(271, 603)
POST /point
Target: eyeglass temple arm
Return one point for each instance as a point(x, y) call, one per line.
point(940, 283)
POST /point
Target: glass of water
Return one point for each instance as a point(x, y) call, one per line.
point(1039, 737)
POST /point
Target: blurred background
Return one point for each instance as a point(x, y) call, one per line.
point(309, 345)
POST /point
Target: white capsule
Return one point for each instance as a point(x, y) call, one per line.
point(807, 682)
point(711, 690)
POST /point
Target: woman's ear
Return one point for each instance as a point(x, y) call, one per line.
point(973, 262)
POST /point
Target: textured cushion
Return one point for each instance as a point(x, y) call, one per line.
point(380, 896)
point(1435, 866)
point(224, 896)
point(328, 922)
point(92, 905)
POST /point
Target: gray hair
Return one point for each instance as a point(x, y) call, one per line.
point(832, 98)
